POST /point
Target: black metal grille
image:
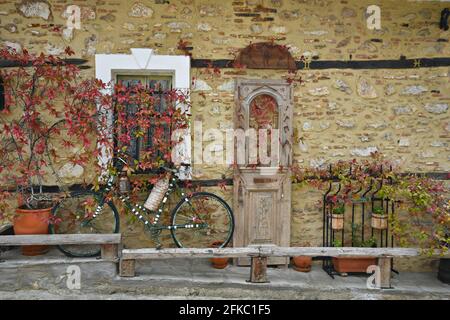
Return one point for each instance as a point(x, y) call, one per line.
point(357, 229)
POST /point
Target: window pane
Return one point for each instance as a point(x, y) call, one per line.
point(160, 85)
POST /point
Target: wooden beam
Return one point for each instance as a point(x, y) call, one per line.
point(270, 251)
point(385, 265)
point(258, 270)
point(337, 252)
point(401, 63)
point(110, 252)
point(127, 268)
point(14, 64)
point(215, 182)
point(189, 253)
point(59, 239)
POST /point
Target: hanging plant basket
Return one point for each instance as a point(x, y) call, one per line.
point(379, 221)
point(337, 221)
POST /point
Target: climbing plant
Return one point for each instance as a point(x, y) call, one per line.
point(423, 202)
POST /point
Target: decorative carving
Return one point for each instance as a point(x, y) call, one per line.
point(263, 213)
point(266, 55)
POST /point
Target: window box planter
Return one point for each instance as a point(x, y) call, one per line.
point(353, 264)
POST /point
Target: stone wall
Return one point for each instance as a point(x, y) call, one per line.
point(339, 114)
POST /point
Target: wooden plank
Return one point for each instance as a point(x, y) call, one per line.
point(127, 268)
point(189, 253)
point(14, 63)
point(110, 252)
point(274, 251)
point(258, 270)
point(341, 64)
point(56, 239)
point(385, 265)
point(338, 252)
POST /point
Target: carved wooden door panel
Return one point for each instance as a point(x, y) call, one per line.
point(262, 220)
point(262, 207)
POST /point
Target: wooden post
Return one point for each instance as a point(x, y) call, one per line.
point(127, 268)
point(109, 252)
point(258, 270)
point(385, 265)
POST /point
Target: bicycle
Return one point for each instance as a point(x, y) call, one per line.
point(198, 220)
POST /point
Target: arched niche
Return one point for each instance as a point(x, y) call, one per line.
point(266, 55)
point(247, 90)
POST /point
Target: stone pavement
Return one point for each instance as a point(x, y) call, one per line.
point(45, 277)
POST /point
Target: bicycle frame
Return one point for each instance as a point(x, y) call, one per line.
point(155, 227)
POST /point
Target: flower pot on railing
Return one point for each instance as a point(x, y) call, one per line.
point(379, 219)
point(28, 221)
point(337, 221)
point(337, 218)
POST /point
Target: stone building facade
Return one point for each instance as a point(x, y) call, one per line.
point(338, 113)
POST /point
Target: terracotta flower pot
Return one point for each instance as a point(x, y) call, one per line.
point(302, 263)
point(28, 221)
point(379, 221)
point(337, 221)
point(360, 264)
point(218, 263)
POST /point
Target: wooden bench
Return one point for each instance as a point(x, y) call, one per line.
point(109, 243)
point(259, 255)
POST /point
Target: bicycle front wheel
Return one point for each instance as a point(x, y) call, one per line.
point(75, 215)
point(202, 220)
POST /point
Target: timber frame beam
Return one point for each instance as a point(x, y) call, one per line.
point(313, 64)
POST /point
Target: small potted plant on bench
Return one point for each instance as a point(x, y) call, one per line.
point(48, 110)
point(379, 218)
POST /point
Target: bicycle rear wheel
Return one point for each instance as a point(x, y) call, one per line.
point(74, 215)
point(202, 220)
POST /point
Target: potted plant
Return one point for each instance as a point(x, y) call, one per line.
point(379, 218)
point(354, 264)
point(47, 108)
point(337, 217)
point(218, 263)
point(302, 263)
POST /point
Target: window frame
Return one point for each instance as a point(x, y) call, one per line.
point(146, 77)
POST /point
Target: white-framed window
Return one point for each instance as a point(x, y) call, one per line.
point(142, 63)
